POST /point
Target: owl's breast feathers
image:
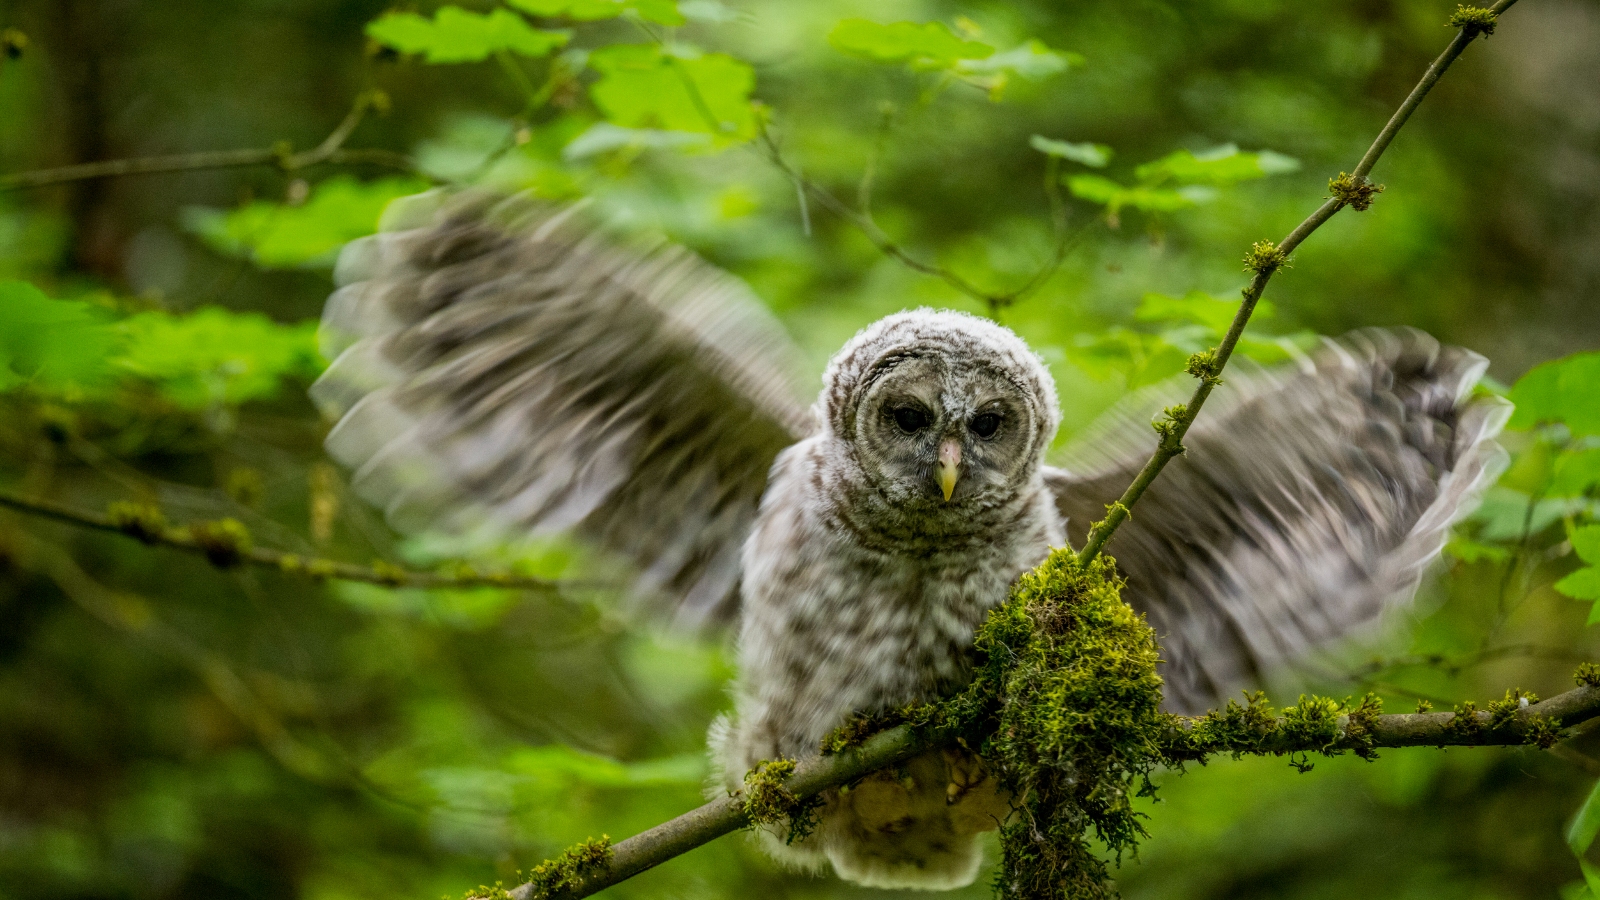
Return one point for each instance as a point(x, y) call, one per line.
point(847, 612)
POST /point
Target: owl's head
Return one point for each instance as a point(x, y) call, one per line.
point(941, 408)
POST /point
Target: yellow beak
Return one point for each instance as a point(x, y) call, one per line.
point(949, 466)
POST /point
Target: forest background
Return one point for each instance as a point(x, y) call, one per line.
point(171, 728)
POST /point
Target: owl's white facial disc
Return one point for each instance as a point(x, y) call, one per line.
point(930, 401)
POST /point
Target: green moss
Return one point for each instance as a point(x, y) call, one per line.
point(768, 800)
point(1424, 706)
point(388, 573)
point(1361, 724)
point(1502, 711)
point(1357, 193)
point(1067, 692)
point(497, 891)
point(1203, 365)
point(1264, 257)
point(1474, 20)
point(1171, 418)
point(1464, 724)
point(565, 871)
point(1543, 734)
point(849, 735)
point(224, 541)
point(138, 520)
point(1588, 675)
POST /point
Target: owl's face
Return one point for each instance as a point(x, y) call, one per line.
point(941, 410)
point(934, 430)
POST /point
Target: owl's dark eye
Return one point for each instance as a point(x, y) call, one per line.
point(985, 425)
point(911, 419)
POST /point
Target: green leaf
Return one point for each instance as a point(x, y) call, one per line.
point(1583, 584)
point(1564, 390)
point(925, 45)
point(604, 137)
point(1216, 313)
point(1586, 824)
point(662, 12)
point(277, 235)
point(457, 35)
point(1575, 473)
point(1470, 551)
point(215, 356)
point(52, 345)
point(1591, 876)
point(1097, 189)
point(1095, 156)
point(1586, 543)
point(1219, 166)
point(1504, 513)
point(647, 87)
point(1031, 60)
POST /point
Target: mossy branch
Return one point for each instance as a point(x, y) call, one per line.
point(1266, 258)
point(226, 543)
point(649, 849)
point(331, 151)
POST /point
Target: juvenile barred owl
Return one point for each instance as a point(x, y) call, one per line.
point(501, 366)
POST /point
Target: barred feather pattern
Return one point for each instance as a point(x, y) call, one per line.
point(502, 365)
point(859, 601)
point(1309, 503)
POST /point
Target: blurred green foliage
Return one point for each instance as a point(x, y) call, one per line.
point(168, 730)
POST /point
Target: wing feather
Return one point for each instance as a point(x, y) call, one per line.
point(1310, 502)
point(499, 363)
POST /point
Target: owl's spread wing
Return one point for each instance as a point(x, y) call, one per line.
point(1310, 501)
point(499, 365)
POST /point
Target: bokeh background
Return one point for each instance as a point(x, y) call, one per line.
point(173, 730)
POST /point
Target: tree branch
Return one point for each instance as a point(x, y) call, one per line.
point(862, 219)
point(330, 151)
point(648, 849)
point(226, 543)
point(1265, 259)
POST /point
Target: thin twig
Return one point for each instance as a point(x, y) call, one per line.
point(225, 543)
point(805, 187)
point(331, 151)
point(723, 816)
point(1174, 428)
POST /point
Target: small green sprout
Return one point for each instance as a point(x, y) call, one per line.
point(1265, 257)
point(1474, 20)
point(138, 520)
point(224, 541)
point(1353, 191)
point(1204, 366)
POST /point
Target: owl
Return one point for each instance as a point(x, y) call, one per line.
point(500, 366)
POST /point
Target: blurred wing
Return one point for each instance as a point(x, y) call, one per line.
point(1310, 501)
point(500, 367)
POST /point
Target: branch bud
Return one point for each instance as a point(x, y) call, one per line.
point(1474, 20)
point(1354, 191)
point(1265, 257)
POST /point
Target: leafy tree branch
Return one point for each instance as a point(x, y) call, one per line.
point(330, 151)
point(1264, 260)
point(226, 543)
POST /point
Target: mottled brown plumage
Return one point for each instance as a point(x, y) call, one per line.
point(502, 366)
